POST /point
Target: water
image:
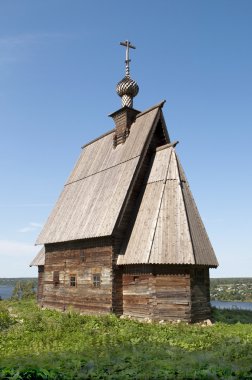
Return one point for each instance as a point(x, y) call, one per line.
point(232, 305)
point(6, 291)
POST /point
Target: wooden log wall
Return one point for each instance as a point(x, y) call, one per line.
point(40, 283)
point(163, 292)
point(200, 294)
point(117, 287)
point(172, 297)
point(158, 292)
point(137, 295)
point(80, 260)
point(157, 295)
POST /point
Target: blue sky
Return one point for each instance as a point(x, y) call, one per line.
point(59, 63)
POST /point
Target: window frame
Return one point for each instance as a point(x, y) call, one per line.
point(73, 283)
point(96, 280)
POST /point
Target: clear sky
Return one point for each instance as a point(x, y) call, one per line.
point(59, 63)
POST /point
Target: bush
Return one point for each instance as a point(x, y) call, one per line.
point(232, 316)
point(5, 319)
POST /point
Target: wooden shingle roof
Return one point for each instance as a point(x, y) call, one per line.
point(168, 228)
point(93, 196)
point(39, 259)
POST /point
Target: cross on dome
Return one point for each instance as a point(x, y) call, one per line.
point(128, 45)
point(127, 88)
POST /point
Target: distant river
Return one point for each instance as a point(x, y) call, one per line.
point(232, 305)
point(6, 291)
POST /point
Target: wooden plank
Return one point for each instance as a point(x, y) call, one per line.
point(101, 155)
point(84, 295)
point(172, 241)
point(94, 195)
point(138, 249)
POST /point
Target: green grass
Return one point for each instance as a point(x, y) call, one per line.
point(45, 344)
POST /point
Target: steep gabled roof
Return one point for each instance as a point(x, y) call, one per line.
point(93, 196)
point(168, 228)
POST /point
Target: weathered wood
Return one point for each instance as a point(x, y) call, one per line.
point(161, 292)
point(126, 236)
point(95, 193)
point(200, 299)
point(40, 283)
point(81, 260)
point(157, 296)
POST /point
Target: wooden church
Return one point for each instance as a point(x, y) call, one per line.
point(125, 235)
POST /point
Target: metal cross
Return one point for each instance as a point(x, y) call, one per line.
point(127, 60)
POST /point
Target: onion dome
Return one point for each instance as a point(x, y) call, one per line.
point(127, 89)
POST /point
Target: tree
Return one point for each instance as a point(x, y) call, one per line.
point(24, 290)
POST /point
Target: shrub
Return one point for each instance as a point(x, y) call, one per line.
point(5, 319)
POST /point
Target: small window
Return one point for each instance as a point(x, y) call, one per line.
point(97, 280)
point(56, 278)
point(73, 281)
point(82, 256)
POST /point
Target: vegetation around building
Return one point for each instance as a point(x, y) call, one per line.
point(231, 289)
point(46, 344)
